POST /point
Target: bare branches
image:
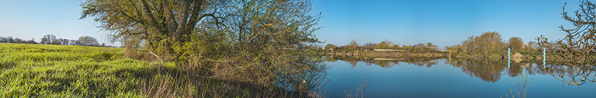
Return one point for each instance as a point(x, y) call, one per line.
point(579, 43)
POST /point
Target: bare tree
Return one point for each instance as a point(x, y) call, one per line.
point(48, 39)
point(87, 41)
point(579, 45)
point(353, 45)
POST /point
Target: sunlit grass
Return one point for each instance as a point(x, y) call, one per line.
point(29, 70)
point(68, 71)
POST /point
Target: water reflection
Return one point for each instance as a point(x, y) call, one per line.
point(386, 62)
point(489, 71)
point(492, 70)
point(521, 89)
point(572, 74)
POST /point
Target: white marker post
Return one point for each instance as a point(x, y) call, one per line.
point(508, 57)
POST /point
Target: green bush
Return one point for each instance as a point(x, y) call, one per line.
point(494, 56)
point(462, 54)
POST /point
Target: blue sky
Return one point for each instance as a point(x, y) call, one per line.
point(442, 22)
point(31, 19)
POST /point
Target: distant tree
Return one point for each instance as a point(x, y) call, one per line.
point(57, 41)
point(383, 45)
point(395, 46)
point(72, 42)
point(369, 46)
point(388, 42)
point(532, 47)
point(87, 41)
point(485, 44)
point(3, 39)
point(48, 39)
point(431, 46)
point(18, 40)
point(405, 47)
point(32, 41)
point(65, 41)
point(516, 44)
point(353, 45)
point(331, 47)
point(418, 46)
point(455, 49)
point(10, 39)
point(43, 40)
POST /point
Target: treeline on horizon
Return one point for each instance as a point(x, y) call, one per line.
point(383, 45)
point(52, 40)
point(485, 45)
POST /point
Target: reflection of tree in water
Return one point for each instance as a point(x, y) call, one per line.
point(427, 63)
point(329, 58)
point(572, 74)
point(489, 71)
point(515, 69)
point(386, 63)
point(353, 63)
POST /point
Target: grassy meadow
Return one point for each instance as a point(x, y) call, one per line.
point(31, 70)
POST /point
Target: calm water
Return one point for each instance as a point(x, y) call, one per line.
point(441, 78)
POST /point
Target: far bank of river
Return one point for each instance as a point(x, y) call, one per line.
point(392, 54)
point(516, 57)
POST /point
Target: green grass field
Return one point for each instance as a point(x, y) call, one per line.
point(31, 70)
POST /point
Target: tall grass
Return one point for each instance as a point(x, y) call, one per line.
point(28, 70)
point(360, 89)
point(519, 90)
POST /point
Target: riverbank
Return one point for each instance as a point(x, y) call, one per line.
point(389, 54)
point(409, 54)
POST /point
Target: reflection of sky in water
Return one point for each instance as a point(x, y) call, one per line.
point(442, 80)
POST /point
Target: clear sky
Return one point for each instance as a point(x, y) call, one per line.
point(442, 22)
point(31, 19)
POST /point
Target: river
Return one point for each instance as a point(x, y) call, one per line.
point(458, 78)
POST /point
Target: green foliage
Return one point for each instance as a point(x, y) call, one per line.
point(484, 44)
point(462, 54)
point(516, 44)
point(353, 45)
point(28, 70)
point(490, 45)
point(330, 46)
point(68, 71)
point(383, 45)
point(264, 42)
point(494, 56)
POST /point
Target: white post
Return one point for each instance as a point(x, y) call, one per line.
point(508, 57)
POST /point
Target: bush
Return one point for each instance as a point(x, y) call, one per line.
point(494, 56)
